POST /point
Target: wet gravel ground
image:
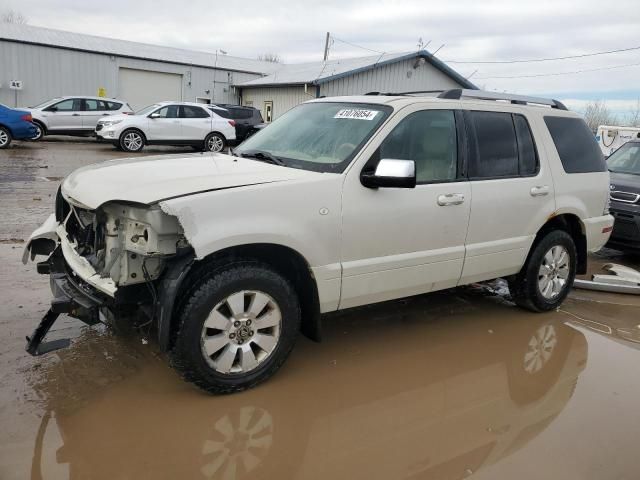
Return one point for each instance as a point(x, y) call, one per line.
point(440, 386)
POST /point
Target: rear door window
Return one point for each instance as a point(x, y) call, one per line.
point(189, 111)
point(528, 157)
point(496, 146)
point(576, 145)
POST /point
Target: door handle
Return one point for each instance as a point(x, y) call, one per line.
point(450, 199)
point(539, 191)
point(75, 115)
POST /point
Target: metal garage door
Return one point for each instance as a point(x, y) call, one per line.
point(141, 87)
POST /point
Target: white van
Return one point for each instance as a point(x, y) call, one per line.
point(341, 202)
point(610, 138)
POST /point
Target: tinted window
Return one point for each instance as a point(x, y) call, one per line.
point(91, 105)
point(429, 138)
point(193, 112)
point(526, 148)
point(221, 112)
point(170, 111)
point(576, 145)
point(243, 113)
point(113, 105)
point(496, 147)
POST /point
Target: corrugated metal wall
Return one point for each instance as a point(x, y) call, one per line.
point(48, 72)
point(396, 77)
point(283, 98)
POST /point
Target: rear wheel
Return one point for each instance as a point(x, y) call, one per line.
point(214, 143)
point(547, 276)
point(131, 141)
point(237, 327)
point(5, 137)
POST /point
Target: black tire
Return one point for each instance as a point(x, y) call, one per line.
point(5, 137)
point(187, 356)
point(42, 131)
point(524, 286)
point(214, 143)
point(132, 140)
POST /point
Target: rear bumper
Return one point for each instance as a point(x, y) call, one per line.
point(23, 130)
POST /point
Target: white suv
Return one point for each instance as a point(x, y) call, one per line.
point(74, 115)
point(169, 123)
point(341, 202)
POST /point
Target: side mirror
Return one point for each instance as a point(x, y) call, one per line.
point(154, 115)
point(52, 109)
point(391, 173)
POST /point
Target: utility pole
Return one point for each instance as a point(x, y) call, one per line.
point(326, 47)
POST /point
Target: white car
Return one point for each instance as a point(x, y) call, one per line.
point(169, 123)
point(341, 202)
point(77, 115)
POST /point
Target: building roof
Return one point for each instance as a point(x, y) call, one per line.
point(123, 48)
point(316, 73)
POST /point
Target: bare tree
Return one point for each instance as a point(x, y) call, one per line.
point(597, 113)
point(270, 57)
point(11, 16)
point(633, 120)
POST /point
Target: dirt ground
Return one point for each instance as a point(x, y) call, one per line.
point(440, 386)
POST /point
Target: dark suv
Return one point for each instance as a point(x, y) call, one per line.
point(246, 118)
point(624, 165)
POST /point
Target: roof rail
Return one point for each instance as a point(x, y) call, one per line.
point(458, 93)
point(398, 94)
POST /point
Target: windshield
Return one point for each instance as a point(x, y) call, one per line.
point(626, 159)
point(44, 104)
point(148, 109)
point(319, 136)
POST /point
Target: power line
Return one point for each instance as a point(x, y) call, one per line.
point(545, 59)
point(561, 73)
point(356, 45)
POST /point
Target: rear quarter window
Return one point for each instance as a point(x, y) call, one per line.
point(576, 145)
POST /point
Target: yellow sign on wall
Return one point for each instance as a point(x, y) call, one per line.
point(102, 92)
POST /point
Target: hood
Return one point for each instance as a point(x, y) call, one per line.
point(625, 182)
point(152, 179)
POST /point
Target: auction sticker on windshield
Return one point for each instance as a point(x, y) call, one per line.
point(357, 113)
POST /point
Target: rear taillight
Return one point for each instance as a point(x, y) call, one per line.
point(27, 117)
point(232, 123)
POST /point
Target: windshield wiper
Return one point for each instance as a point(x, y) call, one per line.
point(263, 156)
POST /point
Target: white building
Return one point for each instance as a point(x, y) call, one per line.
point(52, 63)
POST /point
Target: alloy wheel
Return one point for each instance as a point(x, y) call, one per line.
point(215, 143)
point(554, 272)
point(4, 138)
point(133, 141)
point(241, 332)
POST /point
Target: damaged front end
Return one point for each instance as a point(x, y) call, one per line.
point(107, 264)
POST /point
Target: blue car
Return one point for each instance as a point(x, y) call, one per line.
point(15, 124)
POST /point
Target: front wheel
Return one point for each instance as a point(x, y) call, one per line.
point(131, 141)
point(237, 328)
point(5, 138)
point(39, 132)
point(547, 277)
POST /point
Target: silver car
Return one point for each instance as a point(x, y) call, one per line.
point(76, 115)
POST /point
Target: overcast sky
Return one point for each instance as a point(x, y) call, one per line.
point(471, 30)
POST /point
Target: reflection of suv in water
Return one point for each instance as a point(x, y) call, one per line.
point(624, 165)
point(341, 202)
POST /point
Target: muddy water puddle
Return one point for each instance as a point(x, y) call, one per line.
point(450, 385)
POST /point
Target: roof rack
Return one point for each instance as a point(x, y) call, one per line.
point(458, 93)
point(398, 94)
